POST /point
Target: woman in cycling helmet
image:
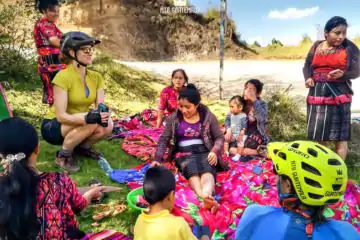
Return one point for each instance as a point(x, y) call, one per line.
point(69, 122)
point(310, 176)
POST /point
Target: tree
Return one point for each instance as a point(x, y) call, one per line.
point(256, 44)
point(276, 42)
point(306, 39)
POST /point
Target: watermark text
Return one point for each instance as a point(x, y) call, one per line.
point(178, 9)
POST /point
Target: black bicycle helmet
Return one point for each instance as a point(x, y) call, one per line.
point(73, 41)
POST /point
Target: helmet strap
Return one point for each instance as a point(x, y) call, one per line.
point(78, 62)
point(288, 202)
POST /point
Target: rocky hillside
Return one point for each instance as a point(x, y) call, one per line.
point(137, 30)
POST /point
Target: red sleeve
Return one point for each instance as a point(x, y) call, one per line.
point(164, 96)
point(47, 29)
point(76, 199)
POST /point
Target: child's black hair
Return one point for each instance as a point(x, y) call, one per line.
point(18, 187)
point(158, 183)
point(43, 5)
point(257, 83)
point(239, 100)
point(186, 78)
point(191, 93)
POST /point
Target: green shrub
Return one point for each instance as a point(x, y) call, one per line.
point(16, 41)
point(286, 121)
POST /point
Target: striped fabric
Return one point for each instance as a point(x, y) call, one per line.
point(106, 235)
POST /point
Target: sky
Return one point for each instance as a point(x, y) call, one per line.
point(285, 20)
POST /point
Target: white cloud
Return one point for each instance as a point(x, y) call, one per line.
point(293, 13)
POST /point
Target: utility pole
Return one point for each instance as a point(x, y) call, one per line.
point(222, 44)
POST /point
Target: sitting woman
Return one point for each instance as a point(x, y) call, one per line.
point(69, 122)
point(35, 205)
point(310, 176)
point(257, 114)
point(196, 143)
point(168, 96)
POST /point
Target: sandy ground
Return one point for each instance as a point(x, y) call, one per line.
point(272, 73)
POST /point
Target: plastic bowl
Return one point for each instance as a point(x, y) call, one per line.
point(132, 197)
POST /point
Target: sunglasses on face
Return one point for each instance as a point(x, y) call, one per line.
point(87, 50)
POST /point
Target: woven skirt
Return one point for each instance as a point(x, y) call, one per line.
point(329, 122)
point(193, 161)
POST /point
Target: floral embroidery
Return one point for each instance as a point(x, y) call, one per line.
point(189, 132)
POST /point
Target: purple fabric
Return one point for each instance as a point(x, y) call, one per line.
point(188, 131)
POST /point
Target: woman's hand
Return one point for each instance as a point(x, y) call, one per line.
point(309, 83)
point(212, 158)
point(94, 193)
point(336, 74)
point(105, 117)
point(155, 164)
point(250, 94)
point(228, 135)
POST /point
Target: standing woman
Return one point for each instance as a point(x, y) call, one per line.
point(328, 70)
point(168, 96)
point(47, 40)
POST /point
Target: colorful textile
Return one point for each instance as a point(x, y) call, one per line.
point(235, 189)
point(329, 101)
point(131, 175)
point(122, 126)
point(106, 235)
point(240, 187)
point(142, 143)
point(168, 100)
point(58, 202)
point(48, 60)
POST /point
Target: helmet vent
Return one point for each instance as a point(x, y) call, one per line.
point(332, 201)
point(334, 162)
point(282, 155)
point(313, 183)
point(295, 145)
point(275, 151)
point(336, 187)
point(321, 148)
point(312, 152)
point(310, 169)
point(315, 196)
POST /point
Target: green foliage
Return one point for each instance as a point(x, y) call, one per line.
point(306, 39)
point(16, 41)
point(275, 42)
point(256, 44)
point(212, 13)
point(286, 119)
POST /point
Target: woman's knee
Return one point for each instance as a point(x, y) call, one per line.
point(104, 131)
point(341, 145)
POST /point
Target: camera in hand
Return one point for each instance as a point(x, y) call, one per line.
point(103, 108)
